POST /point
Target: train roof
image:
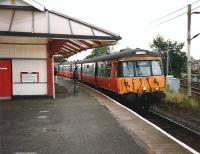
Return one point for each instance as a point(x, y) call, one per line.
point(117, 55)
point(122, 54)
point(67, 63)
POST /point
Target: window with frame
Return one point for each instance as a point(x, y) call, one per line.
point(79, 68)
point(143, 68)
point(60, 68)
point(84, 68)
point(126, 69)
point(92, 69)
point(101, 69)
point(108, 67)
point(156, 67)
point(66, 68)
point(89, 68)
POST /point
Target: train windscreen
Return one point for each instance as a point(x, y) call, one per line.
point(140, 68)
point(127, 69)
point(156, 67)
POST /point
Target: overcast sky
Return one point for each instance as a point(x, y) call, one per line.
point(131, 19)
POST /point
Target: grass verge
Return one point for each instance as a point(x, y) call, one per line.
point(181, 100)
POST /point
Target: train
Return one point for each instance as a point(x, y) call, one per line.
point(133, 74)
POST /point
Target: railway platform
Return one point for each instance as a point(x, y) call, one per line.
point(70, 124)
point(84, 122)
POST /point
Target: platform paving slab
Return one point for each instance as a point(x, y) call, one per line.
point(70, 124)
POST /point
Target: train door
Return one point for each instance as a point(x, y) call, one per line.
point(114, 76)
point(96, 73)
point(5, 78)
point(81, 65)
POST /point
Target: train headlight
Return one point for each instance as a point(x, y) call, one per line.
point(156, 88)
point(144, 88)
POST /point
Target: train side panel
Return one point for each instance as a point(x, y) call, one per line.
point(67, 71)
point(79, 72)
point(106, 76)
point(60, 70)
point(88, 73)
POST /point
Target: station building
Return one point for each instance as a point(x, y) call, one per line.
point(30, 36)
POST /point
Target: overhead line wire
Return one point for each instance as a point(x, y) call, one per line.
point(168, 15)
point(170, 19)
point(196, 8)
point(171, 13)
point(175, 17)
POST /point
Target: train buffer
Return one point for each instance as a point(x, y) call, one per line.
point(78, 124)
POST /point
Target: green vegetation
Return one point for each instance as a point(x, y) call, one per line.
point(58, 59)
point(181, 100)
point(177, 58)
point(99, 52)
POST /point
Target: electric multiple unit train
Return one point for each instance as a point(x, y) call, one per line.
point(132, 73)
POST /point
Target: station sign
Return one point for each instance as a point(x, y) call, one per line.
point(29, 77)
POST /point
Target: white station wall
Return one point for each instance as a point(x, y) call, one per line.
point(22, 65)
point(28, 55)
point(22, 51)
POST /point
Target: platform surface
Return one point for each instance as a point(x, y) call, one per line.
point(70, 124)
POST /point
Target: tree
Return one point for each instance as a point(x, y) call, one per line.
point(178, 58)
point(99, 52)
point(59, 59)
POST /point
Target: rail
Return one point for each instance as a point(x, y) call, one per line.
point(195, 87)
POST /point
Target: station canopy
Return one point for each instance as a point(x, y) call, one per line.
point(66, 35)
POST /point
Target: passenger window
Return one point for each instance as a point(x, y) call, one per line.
point(108, 69)
point(101, 69)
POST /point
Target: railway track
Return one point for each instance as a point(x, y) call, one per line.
point(195, 87)
point(178, 131)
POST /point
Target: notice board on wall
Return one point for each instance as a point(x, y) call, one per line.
point(29, 77)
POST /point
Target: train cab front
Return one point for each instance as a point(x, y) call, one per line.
point(141, 79)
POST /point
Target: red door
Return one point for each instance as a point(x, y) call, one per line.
point(114, 76)
point(5, 78)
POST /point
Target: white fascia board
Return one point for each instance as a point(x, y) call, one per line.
point(35, 4)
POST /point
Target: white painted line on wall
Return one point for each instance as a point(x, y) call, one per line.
point(54, 91)
point(43, 111)
point(159, 129)
point(25, 153)
point(3, 68)
point(42, 117)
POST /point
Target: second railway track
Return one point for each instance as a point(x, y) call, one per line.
point(180, 132)
point(195, 87)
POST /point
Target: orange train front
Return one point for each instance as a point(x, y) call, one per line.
point(132, 73)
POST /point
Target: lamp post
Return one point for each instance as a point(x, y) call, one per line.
point(189, 48)
point(167, 72)
point(188, 51)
